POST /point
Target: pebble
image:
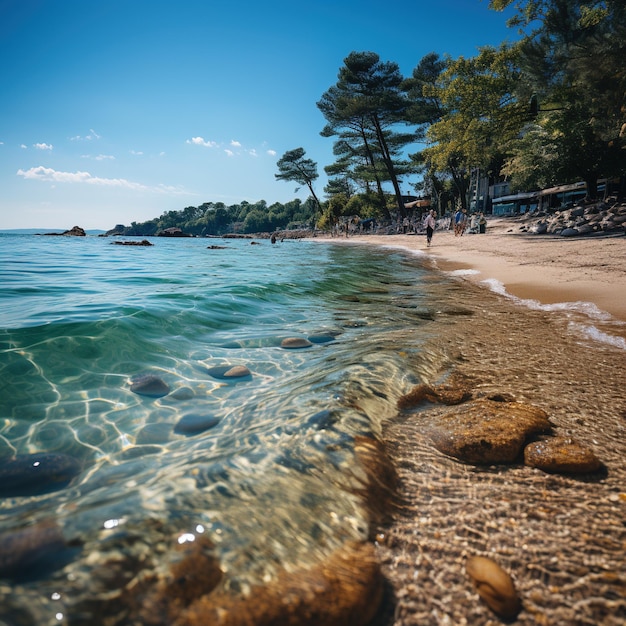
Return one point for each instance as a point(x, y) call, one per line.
point(195, 423)
point(154, 434)
point(292, 343)
point(229, 371)
point(321, 338)
point(561, 455)
point(34, 474)
point(182, 393)
point(149, 385)
point(494, 586)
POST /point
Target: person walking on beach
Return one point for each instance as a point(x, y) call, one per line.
point(462, 222)
point(458, 216)
point(430, 226)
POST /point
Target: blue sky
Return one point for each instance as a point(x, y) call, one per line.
point(113, 111)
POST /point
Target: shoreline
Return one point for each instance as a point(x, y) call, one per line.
point(546, 268)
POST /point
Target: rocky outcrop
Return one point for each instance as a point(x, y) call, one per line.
point(595, 218)
point(173, 232)
point(75, 231)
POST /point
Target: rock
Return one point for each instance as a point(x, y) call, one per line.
point(229, 371)
point(216, 247)
point(321, 338)
point(484, 432)
point(561, 455)
point(569, 232)
point(494, 586)
point(293, 343)
point(152, 434)
point(172, 232)
point(75, 231)
point(182, 393)
point(585, 229)
point(195, 423)
point(149, 385)
point(34, 474)
point(143, 242)
point(346, 588)
point(31, 552)
point(442, 395)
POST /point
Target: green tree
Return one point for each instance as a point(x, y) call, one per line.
point(292, 166)
point(480, 114)
point(574, 58)
point(364, 108)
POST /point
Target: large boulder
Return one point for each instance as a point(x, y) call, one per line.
point(484, 431)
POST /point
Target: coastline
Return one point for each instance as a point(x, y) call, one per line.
point(546, 268)
point(557, 535)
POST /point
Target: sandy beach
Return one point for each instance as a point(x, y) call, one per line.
point(546, 268)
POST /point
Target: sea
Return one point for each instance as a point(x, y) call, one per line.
point(151, 396)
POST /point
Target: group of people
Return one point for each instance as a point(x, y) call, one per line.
point(459, 222)
point(476, 224)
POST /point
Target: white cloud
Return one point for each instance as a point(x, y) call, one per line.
point(24, 147)
point(253, 152)
point(47, 174)
point(136, 152)
point(199, 141)
point(92, 135)
point(271, 152)
point(43, 146)
point(99, 157)
point(229, 153)
point(235, 144)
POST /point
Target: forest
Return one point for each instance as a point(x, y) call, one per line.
point(548, 109)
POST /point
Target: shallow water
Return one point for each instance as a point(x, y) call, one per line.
point(272, 479)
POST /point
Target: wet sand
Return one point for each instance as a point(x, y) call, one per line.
point(562, 538)
point(543, 267)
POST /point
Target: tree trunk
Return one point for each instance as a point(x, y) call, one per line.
point(389, 165)
point(379, 187)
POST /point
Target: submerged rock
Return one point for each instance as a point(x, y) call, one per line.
point(449, 395)
point(31, 552)
point(345, 588)
point(149, 385)
point(484, 432)
point(195, 423)
point(229, 371)
point(293, 343)
point(494, 586)
point(34, 474)
point(561, 455)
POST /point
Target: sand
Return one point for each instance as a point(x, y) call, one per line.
point(546, 268)
point(562, 538)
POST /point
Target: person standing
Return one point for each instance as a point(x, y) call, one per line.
point(431, 223)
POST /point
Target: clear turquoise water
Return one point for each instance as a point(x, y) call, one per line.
point(272, 479)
